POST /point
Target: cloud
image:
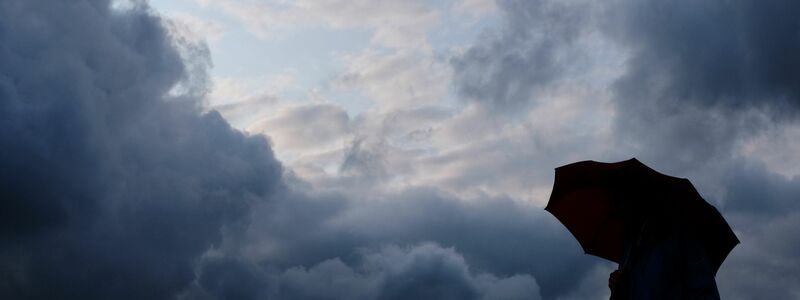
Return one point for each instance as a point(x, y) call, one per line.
point(680, 61)
point(399, 80)
point(470, 152)
point(735, 54)
point(426, 271)
point(770, 251)
point(401, 24)
point(196, 28)
point(497, 236)
point(695, 88)
point(537, 46)
point(107, 176)
point(306, 128)
point(475, 7)
point(754, 189)
point(710, 74)
point(690, 82)
point(768, 146)
point(763, 209)
point(109, 173)
point(705, 80)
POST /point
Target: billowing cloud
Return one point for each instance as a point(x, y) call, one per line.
point(536, 47)
point(734, 54)
point(506, 241)
point(116, 184)
point(111, 186)
point(705, 90)
point(764, 206)
point(769, 147)
point(711, 74)
point(427, 271)
point(691, 83)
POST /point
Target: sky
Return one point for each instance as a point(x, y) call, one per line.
point(357, 149)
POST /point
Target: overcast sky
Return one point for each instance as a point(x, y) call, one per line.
point(360, 149)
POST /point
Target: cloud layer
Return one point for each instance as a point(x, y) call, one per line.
point(117, 185)
point(701, 85)
point(116, 182)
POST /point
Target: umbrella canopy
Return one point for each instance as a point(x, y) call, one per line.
point(599, 202)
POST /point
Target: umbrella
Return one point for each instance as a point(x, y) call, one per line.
point(588, 196)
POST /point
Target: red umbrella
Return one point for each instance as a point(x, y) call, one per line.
point(588, 196)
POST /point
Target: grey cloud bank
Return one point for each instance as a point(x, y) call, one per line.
point(114, 186)
point(535, 48)
point(427, 271)
point(110, 188)
point(700, 80)
point(734, 53)
point(323, 246)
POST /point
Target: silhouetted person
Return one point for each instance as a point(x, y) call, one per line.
point(662, 259)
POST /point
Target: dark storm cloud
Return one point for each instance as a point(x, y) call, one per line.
point(115, 187)
point(711, 53)
point(110, 189)
point(703, 77)
point(534, 49)
point(325, 236)
point(699, 75)
point(427, 271)
point(764, 209)
point(704, 74)
point(755, 190)
point(732, 54)
point(700, 79)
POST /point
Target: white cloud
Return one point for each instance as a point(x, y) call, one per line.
point(777, 148)
point(227, 90)
point(198, 28)
point(480, 153)
point(402, 79)
point(394, 23)
point(244, 101)
point(467, 152)
point(476, 8)
point(305, 129)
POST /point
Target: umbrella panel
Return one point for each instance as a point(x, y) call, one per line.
point(588, 198)
point(588, 213)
